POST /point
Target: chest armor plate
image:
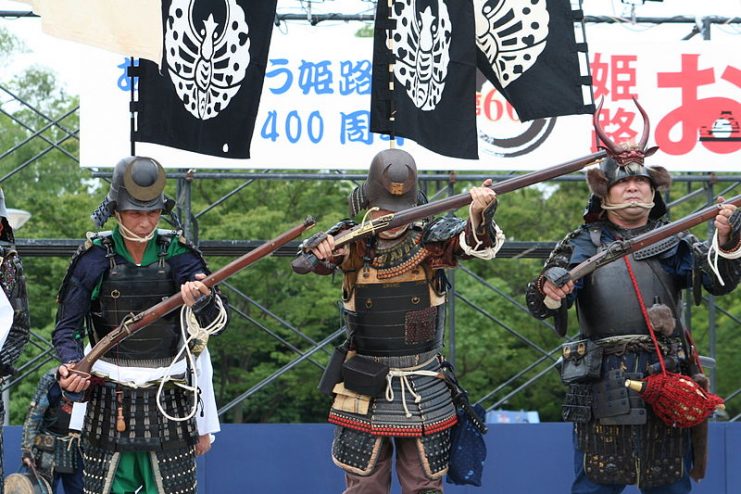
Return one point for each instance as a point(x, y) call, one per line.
point(607, 304)
point(395, 316)
point(129, 289)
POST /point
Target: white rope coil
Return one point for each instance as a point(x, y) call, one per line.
point(195, 332)
point(714, 252)
point(487, 253)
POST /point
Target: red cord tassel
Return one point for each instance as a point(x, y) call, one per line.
point(676, 399)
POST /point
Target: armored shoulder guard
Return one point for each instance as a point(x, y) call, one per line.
point(13, 282)
point(88, 244)
point(560, 257)
point(165, 238)
point(442, 229)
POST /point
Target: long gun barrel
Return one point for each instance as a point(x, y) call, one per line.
point(144, 319)
point(621, 248)
point(304, 264)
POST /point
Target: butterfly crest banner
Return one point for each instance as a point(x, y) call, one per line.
point(529, 52)
point(206, 96)
point(424, 75)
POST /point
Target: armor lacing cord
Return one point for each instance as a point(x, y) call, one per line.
point(714, 252)
point(74, 437)
point(188, 320)
point(405, 385)
point(489, 252)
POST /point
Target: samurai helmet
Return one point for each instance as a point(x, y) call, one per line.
point(137, 185)
point(391, 183)
point(624, 160)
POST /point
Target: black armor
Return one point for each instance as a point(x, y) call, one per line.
point(412, 327)
point(622, 440)
point(413, 323)
point(13, 283)
point(610, 451)
point(395, 311)
point(387, 379)
point(175, 471)
point(619, 440)
point(124, 291)
point(146, 428)
point(607, 304)
point(120, 274)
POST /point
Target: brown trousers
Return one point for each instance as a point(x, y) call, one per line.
point(408, 468)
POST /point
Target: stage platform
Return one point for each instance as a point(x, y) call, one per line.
point(523, 459)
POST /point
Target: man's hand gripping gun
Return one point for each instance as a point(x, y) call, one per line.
point(139, 321)
point(621, 248)
point(307, 261)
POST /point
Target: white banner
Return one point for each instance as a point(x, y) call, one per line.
point(314, 112)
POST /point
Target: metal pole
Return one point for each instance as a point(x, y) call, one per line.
point(6, 406)
point(451, 292)
point(711, 307)
point(706, 25)
point(183, 193)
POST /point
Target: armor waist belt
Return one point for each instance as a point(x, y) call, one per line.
point(395, 319)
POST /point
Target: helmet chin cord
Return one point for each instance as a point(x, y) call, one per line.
point(633, 204)
point(129, 235)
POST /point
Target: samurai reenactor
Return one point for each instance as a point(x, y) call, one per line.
point(391, 394)
point(618, 440)
point(15, 325)
point(48, 443)
point(132, 437)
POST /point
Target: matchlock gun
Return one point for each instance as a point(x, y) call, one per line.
point(621, 248)
point(308, 261)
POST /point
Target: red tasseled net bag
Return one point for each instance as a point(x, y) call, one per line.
point(678, 400)
point(675, 398)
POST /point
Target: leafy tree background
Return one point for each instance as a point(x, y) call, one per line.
point(61, 196)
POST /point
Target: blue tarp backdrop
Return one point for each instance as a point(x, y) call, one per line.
point(295, 458)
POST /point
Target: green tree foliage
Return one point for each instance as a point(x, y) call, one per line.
point(501, 353)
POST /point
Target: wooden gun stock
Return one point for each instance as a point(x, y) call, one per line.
point(621, 248)
point(143, 319)
point(306, 263)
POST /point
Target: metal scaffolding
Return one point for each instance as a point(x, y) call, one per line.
point(703, 185)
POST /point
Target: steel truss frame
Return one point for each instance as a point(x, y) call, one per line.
point(545, 358)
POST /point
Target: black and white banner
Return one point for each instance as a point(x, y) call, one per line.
point(431, 49)
point(206, 96)
point(529, 52)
